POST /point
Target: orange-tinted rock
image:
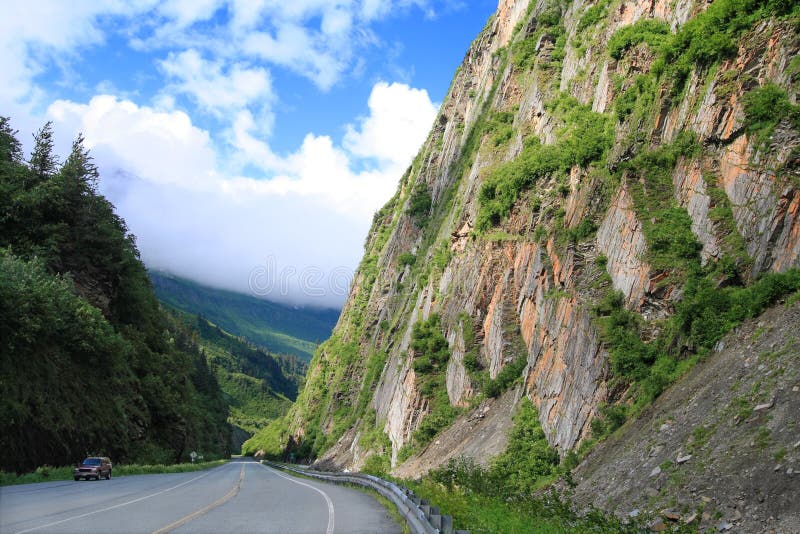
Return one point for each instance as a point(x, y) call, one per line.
point(621, 239)
point(511, 287)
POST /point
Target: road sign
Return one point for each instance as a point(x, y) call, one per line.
point(192, 455)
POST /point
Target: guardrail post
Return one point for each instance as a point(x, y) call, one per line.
point(426, 509)
point(447, 525)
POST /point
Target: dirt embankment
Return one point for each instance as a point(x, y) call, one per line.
point(721, 448)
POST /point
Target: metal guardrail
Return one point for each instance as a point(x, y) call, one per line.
point(419, 514)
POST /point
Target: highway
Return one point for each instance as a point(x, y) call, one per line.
point(241, 496)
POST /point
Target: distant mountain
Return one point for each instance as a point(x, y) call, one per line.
point(258, 386)
point(277, 327)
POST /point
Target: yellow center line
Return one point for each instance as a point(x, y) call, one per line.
point(202, 511)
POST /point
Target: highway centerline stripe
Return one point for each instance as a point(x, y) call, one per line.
point(120, 505)
point(202, 511)
point(327, 499)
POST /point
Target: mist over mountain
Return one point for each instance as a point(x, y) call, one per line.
point(280, 328)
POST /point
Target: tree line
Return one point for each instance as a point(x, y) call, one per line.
point(91, 364)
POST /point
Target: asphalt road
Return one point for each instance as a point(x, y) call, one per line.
point(241, 496)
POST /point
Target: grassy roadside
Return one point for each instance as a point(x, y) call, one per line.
point(386, 503)
point(48, 473)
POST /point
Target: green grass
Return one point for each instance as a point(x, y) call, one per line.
point(48, 473)
point(507, 496)
point(482, 514)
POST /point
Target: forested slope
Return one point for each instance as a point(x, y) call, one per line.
point(257, 385)
point(90, 362)
point(280, 328)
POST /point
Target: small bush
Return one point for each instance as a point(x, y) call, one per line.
point(592, 16)
point(406, 258)
point(764, 107)
point(377, 465)
point(507, 376)
point(585, 229)
point(610, 418)
point(500, 128)
point(419, 205)
point(650, 31)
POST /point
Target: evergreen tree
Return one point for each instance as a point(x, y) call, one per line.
point(10, 147)
point(79, 173)
point(43, 162)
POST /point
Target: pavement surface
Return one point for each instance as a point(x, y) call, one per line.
point(240, 496)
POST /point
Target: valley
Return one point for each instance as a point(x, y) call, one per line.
point(579, 310)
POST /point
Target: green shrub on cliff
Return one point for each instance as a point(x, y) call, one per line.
point(431, 353)
point(702, 317)
point(515, 473)
point(584, 138)
point(419, 204)
point(506, 496)
point(764, 108)
point(650, 31)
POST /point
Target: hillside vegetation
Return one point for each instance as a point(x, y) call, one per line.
point(258, 386)
point(281, 329)
point(609, 189)
point(90, 362)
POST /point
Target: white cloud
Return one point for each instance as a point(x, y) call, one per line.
point(305, 52)
point(188, 192)
point(399, 119)
point(318, 39)
point(284, 33)
point(196, 218)
point(163, 147)
point(33, 34)
point(214, 87)
point(184, 13)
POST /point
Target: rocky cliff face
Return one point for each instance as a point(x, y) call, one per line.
point(516, 288)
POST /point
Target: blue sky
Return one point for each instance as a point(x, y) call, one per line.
point(246, 142)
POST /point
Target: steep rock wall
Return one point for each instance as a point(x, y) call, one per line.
point(526, 287)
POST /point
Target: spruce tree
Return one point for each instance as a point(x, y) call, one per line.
point(43, 162)
point(10, 147)
point(79, 172)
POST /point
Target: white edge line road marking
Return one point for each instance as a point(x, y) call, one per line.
point(120, 505)
point(327, 499)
